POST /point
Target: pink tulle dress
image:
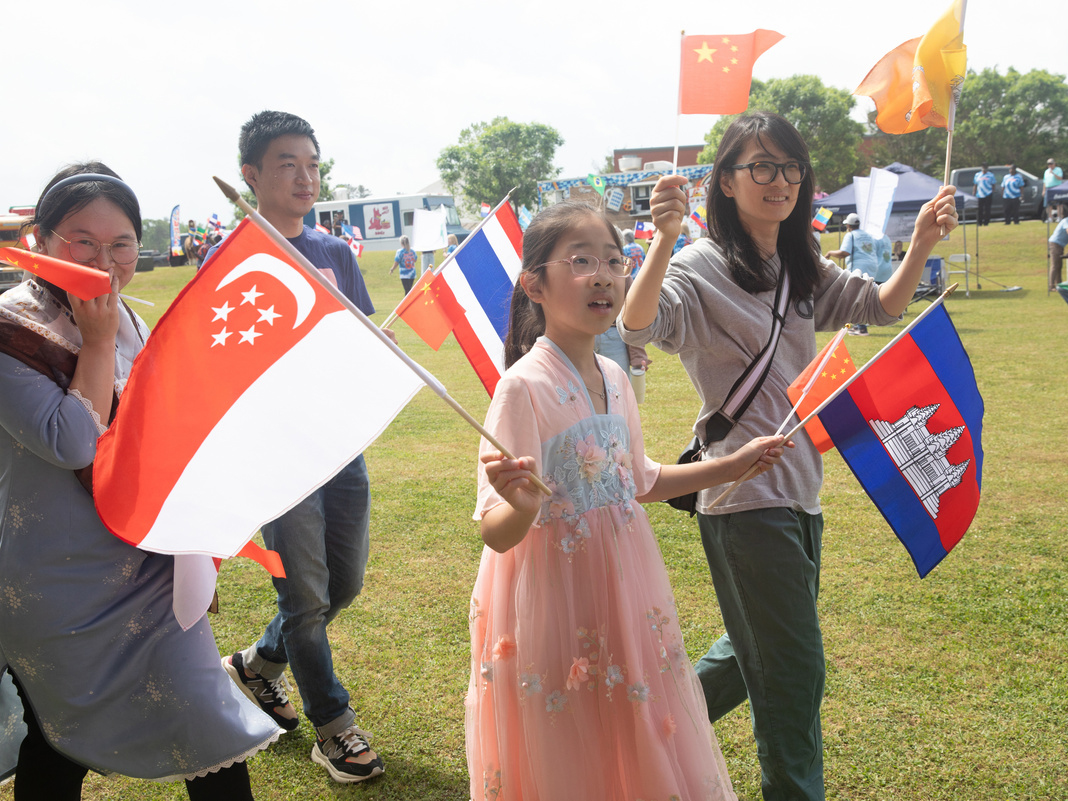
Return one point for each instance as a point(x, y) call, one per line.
point(580, 686)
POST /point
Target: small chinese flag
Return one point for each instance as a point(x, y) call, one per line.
point(430, 309)
point(81, 281)
point(837, 369)
point(716, 71)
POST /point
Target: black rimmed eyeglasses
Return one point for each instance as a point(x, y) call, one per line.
point(764, 172)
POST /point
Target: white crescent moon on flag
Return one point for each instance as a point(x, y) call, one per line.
point(289, 276)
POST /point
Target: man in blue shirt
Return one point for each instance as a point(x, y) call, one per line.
point(323, 540)
point(1050, 178)
point(984, 181)
point(1011, 185)
point(1057, 244)
point(859, 251)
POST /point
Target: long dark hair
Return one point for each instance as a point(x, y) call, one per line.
point(797, 248)
point(526, 320)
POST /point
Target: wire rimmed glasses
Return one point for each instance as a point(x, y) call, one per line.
point(84, 249)
point(764, 172)
point(584, 265)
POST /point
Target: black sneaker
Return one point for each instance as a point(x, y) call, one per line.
point(270, 694)
point(347, 757)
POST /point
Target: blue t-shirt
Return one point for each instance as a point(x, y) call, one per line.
point(1060, 234)
point(334, 258)
point(984, 183)
point(406, 260)
point(883, 249)
point(1052, 177)
point(860, 247)
point(633, 250)
point(1011, 185)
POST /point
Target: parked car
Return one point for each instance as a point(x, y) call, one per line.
point(9, 278)
point(1030, 195)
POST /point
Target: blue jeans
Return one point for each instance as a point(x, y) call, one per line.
point(765, 566)
point(323, 542)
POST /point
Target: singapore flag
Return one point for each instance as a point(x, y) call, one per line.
point(256, 387)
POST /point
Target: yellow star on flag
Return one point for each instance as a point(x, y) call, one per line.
point(704, 53)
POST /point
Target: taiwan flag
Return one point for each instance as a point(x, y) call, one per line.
point(910, 428)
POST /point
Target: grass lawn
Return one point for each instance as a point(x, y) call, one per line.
point(954, 687)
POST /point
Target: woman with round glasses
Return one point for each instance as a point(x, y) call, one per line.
point(714, 306)
point(108, 679)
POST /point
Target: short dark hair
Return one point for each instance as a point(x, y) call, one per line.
point(796, 246)
point(52, 208)
point(266, 126)
point(526, 320)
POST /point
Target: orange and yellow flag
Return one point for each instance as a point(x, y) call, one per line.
point(716, 71)
point(917, 84)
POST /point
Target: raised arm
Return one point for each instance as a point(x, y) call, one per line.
point(668, 207)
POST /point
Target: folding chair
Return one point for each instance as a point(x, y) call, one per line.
point(935, 285)
point(965, 259)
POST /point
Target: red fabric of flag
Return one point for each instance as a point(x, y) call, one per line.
point(430, 309)
point(83, 282)
point(716, 71)
point(837, 369)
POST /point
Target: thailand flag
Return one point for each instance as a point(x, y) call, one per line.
point(910, 428)
point(644, 230)
point(481, 276)
point(196, 461)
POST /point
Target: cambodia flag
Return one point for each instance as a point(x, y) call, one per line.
point(910, 428)
point(481, 277)
point(256, 387)
point(644, 230)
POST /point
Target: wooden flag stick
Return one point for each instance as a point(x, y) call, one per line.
point(315, 275)
point(845, 384)
point(452, 256)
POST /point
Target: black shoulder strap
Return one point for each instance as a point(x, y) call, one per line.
point(748, 385)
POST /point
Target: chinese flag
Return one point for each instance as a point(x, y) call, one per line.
point(836, 370)
point(430, 309)
point(716, 71)
point(917, 84)
point(80, 280)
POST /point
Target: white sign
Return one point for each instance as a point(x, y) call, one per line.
point(614, 199)
point(378, 222)
point(429, 230)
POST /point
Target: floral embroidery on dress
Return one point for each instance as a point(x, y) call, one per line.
point(491, 784)
point(593, 468)
point(530, 683)
point(555, 702)
point(504, 649)
point(568, 396)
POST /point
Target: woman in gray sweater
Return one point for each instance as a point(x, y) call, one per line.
point(714, 307)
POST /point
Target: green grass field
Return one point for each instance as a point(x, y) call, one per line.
point(954, 687)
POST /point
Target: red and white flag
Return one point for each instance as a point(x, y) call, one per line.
point(256, 387)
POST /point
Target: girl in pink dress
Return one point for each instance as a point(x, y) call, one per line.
point(580, 686)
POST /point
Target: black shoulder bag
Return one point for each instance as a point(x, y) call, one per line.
point(741, 395)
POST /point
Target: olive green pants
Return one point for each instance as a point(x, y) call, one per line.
point(765, 566)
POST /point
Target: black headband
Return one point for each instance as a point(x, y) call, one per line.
point(84, 178)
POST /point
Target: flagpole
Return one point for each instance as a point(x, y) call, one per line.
point(678, 112)
point(318, 277)
point(845, 384)
point(452, 256)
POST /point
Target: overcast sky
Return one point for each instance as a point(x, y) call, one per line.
point(159, 91)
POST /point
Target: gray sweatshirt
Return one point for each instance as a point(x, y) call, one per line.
point(717, 329)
